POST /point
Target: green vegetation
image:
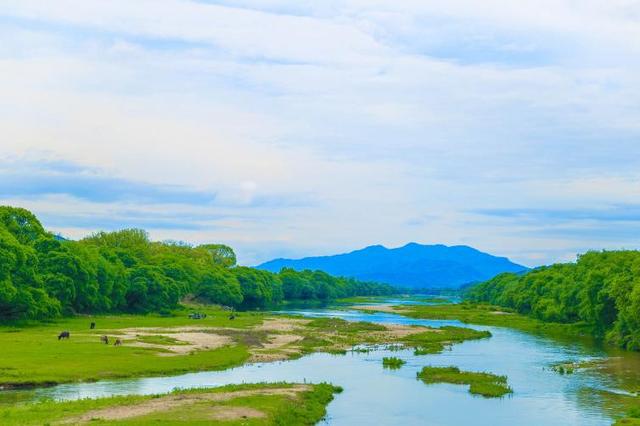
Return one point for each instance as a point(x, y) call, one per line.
point(173, 343)
point(260, 404)
point(32, 354)
point(43, 277)
point(474, 313)
point(485, 384)
point(434, 340)
point(600, 292)
point(632, 419)
point(392, 363)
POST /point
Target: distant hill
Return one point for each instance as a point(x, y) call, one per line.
point(411, 266)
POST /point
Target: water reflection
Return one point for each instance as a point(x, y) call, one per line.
point(373, 395)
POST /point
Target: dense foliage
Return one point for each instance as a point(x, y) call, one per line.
point(602, 290)
point(42, 276)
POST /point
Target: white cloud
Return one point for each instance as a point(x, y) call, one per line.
point(327, 126)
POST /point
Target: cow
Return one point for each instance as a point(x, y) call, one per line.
point(232, 316)
point(118, 342)
point(105, 340)
point(92, 326)
point(64, 335)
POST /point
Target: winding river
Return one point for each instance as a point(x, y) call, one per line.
point(373, 395)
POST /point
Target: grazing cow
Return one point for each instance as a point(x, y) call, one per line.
point(232, 316)
point(64, 335)
point(118, 342)
point(92, 326)
point(105, 340)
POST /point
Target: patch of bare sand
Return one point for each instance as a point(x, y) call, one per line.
point(234, 413)
point(399, 331)
point(275, 348)
point(282, 324)
point(169, 402)
point(277, 341)
point(383, 307)
point(191, 339)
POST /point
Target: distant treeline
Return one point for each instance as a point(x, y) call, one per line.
point(601, 290)
point(44, 276)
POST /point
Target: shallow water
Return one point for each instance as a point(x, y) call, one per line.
point(373, 395)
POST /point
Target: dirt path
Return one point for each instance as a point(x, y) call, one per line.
point(170, 402)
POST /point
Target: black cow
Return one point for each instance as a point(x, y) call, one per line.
point(92, 326)
point(232, 316)
point(64, 335)
point(118, 342)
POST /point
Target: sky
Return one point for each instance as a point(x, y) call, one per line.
point(296, 128)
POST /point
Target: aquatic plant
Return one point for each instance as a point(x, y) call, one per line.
point(485, 384)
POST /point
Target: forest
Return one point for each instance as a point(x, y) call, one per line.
point(601, 290)
point(45, 276)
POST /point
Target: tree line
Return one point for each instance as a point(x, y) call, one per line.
point(601, 290)
point(44, 276)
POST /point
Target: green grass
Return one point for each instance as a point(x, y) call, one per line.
point(471, 313)
point(632, 419)
point(361, 299)
point(341, 326)
point(32, 354)
point(308, 407)
point(484, 384)
point(392, 363)
point(434, 341)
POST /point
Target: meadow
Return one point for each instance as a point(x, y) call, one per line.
point(255, 404)
point(154, 345)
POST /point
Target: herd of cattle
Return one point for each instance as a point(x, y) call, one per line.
point(118, 342)
point(103, 339)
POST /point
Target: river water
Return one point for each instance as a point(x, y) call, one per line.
point(376, 396)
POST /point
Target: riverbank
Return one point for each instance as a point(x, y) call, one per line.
point(481, 315)
point(488, 315)
point(257, 404)
point(154, 345)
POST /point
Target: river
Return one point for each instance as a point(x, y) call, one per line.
point(373, 395)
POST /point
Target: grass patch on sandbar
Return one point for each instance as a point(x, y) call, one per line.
point(392, 362)
point(484, 384)
point(257, 404)
point(434, 341)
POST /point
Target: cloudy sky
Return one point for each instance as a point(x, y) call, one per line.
point(293, 128)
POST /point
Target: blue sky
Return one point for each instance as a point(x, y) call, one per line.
point(300, 128)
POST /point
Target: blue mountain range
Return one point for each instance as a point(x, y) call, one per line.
point(411, 266)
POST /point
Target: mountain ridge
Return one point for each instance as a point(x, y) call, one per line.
point(412, 265)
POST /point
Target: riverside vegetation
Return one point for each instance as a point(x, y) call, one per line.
point(484, 384)
point(600, 293)
point(43, 276)
point(257, 404)
point(172, 343)
point(392, 363)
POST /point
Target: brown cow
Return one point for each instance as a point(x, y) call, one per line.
point(105, 340)
point(118, 342)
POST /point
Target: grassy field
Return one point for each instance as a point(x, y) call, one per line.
point(154, 345)
point(485, 384)
point(32, 354)
point(259, 404)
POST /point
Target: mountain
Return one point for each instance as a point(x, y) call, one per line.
point(411, 266)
